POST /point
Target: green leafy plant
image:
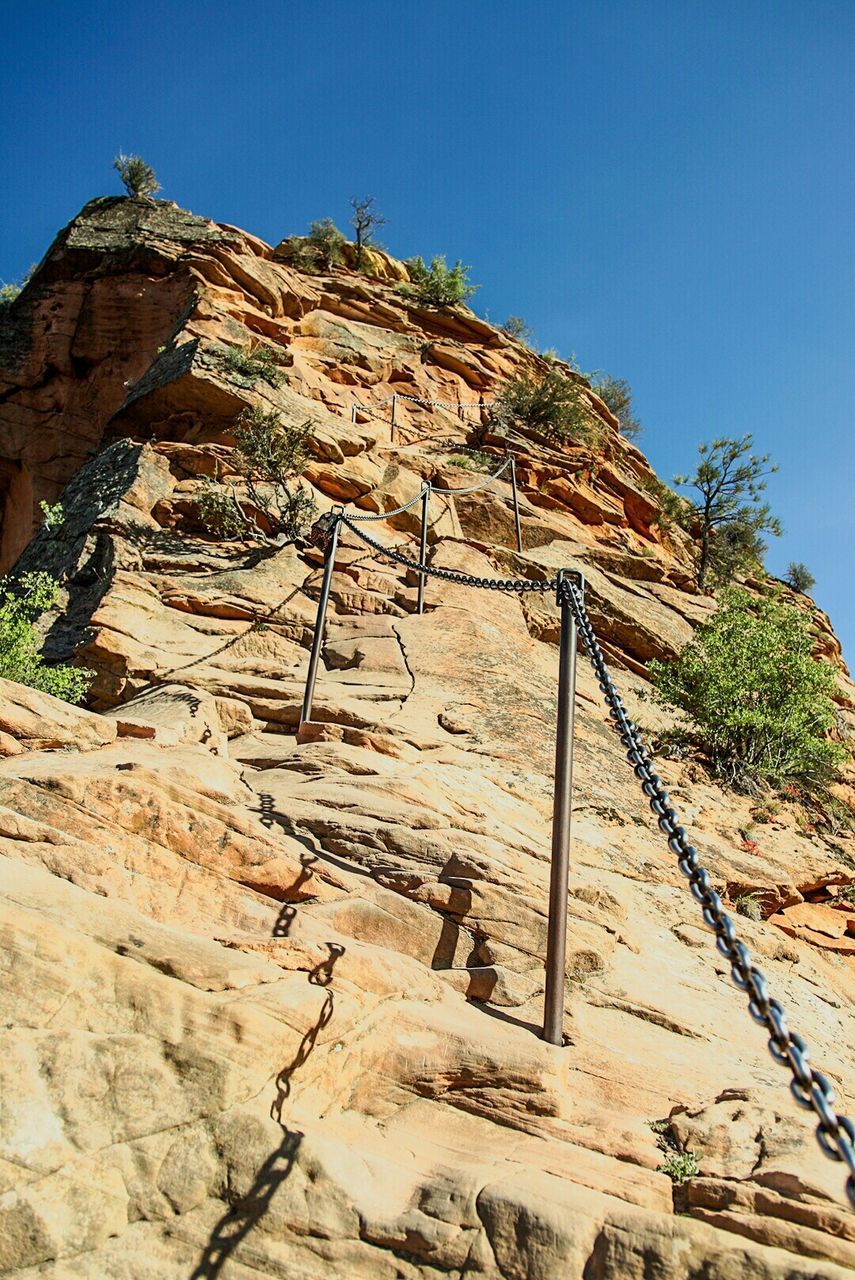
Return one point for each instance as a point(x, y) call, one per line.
point(438, 285)
point(22, 603)
point(474, 461)
point(253, 362)
point(679, 1166)
point(365, 221)
point(617, 394)
point(729, 514)
point(755, 699)
point(138, 178)
point(799, 577)
point(326, 243)
point(54, 516)
point(552, 404)
point(268, 456)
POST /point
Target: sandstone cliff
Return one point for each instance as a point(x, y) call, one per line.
point(272, 998)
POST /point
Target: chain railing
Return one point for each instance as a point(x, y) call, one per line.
point(460, 407)
point(811, 1089)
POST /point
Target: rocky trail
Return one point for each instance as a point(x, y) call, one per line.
point(272, 993)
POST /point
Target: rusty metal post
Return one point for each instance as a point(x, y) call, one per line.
point(516, 502)
point(423, 547)
point(556, 942)
point(394, 415)
point(320, 619)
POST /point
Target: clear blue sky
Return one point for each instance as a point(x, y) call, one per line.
point(664, 188)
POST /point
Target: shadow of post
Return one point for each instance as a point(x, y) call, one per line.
point(236, 1224)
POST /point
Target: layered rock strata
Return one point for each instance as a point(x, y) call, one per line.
point(273, 992)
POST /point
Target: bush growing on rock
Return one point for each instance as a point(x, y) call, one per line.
point(138, 178)
point(515, 327)
point(327, 243)
point(253, 362)
point(617, 394)
point(267, 458)
point(799, 577)
point(755, 699)
point(21, 604)
point(438, 285)
point(552, 405)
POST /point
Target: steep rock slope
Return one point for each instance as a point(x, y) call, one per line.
point(273, 997)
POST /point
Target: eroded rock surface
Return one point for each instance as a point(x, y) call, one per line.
point(272, 993)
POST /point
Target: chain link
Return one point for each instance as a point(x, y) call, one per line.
point(473, 488)
point(396, 511)
point(452, 575)
point(810, 1088)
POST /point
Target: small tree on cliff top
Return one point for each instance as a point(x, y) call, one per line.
point(138, 178)
point(365, 221)
point(729, 479)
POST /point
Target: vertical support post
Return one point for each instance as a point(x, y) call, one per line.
point(353, 413)
point(394, 415)
point(556, 943)
point(516, 502)
point(423, 546)
point(320, 619)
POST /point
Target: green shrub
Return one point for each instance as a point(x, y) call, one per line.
point(251, 363)
point(754, 697)
point(54, 516)
point(21, 604)
point(617, 394)
point(326, 243)
point(474, 461)
point(679, 1166)
point(138, 178)
point(799, 577)
point(268, 456)
point(438, 285)
point(515, 327)
point(552, 405)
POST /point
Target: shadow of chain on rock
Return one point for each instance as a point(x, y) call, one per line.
point(241, 1218)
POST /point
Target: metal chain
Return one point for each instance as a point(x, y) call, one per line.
point(396, 511)
point(810, 1088)
point(473, 488)
point(452, 575)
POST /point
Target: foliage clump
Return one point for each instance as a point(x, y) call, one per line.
point(438, 285)
point(326, 243)
point(617, 394)
point(22, 603)
point(728, 513)
point(679, 1166)
point(515, 327)
point(755, 699)
point(550, 404)
point(138, 178)
point(253, 362)
point(268, 456)
point(799, 577)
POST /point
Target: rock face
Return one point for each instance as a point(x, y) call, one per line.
point(272, 993)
